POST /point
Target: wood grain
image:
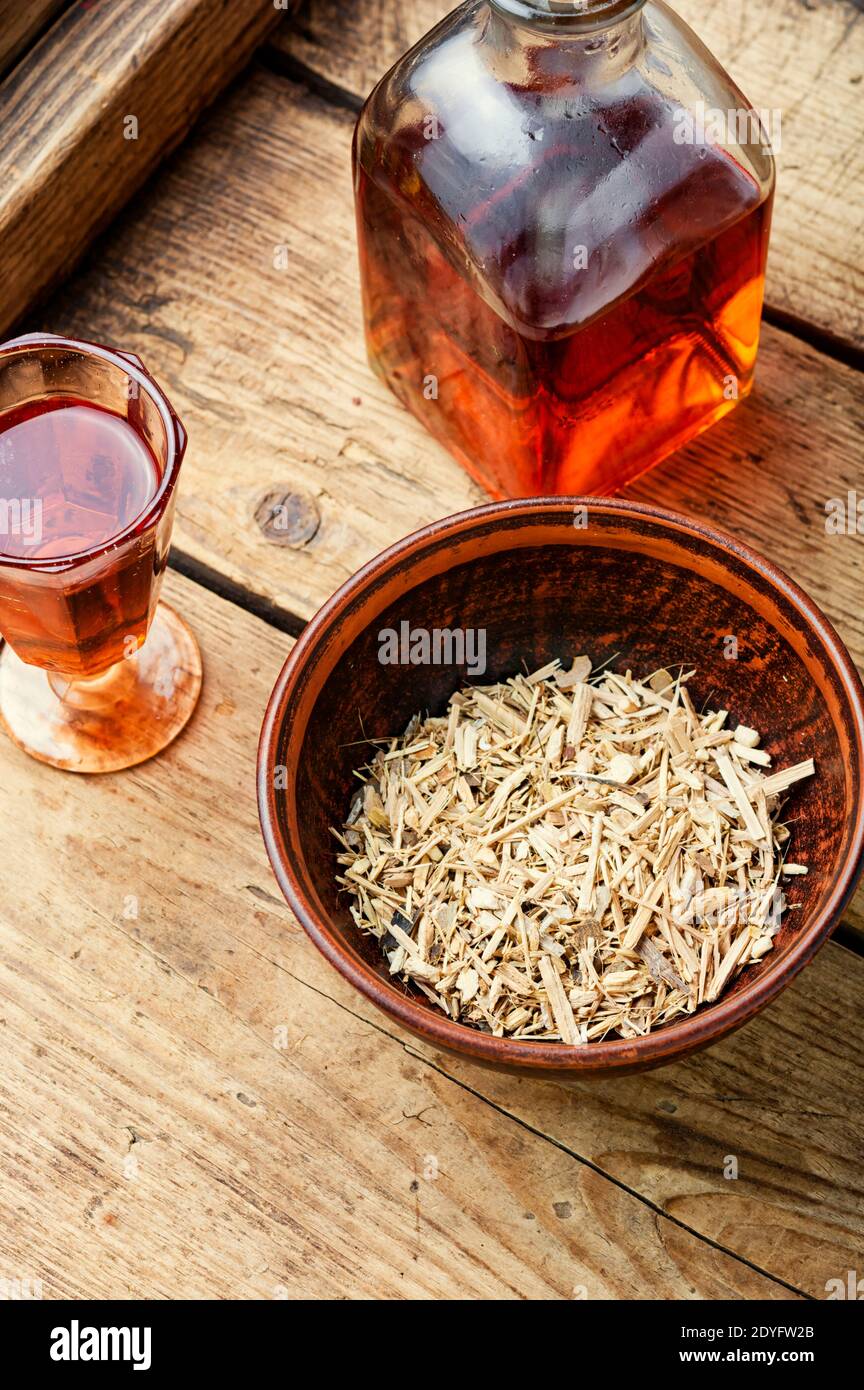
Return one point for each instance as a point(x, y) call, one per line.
point(805, 60)
point(71, 156)
point(670, 1134)
point(193, 1105)
point(20, 23)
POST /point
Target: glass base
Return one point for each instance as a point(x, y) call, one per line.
point(115, 720)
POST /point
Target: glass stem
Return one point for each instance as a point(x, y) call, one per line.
point(93, 692)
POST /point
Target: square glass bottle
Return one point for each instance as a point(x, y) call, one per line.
point(563, 212)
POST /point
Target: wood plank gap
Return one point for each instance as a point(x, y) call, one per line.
point(658, 1210)
point(217, 583)
point(849, 938)
point(838, 349)
point(283, 64)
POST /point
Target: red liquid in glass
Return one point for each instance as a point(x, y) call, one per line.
point(73, 476)
point(79, 474)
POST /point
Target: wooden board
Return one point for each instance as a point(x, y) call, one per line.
point(89, 112)
point(192, 1103)
point(805, 60)
point(20, 23)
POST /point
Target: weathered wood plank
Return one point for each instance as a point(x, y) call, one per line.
point(674, 1135)
point(89, 112)
point(20, 22)
point(805, 60)
point(267, 367)
point(193, 1105)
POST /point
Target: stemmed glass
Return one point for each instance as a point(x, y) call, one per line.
point(95, 673)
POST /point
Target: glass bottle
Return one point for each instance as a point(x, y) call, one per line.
point(563, 211)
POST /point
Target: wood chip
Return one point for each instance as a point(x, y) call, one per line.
point(570, 856)
point(583, 698)
point(558, 1002)
point(782, 781)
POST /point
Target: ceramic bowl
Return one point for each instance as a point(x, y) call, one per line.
point(554, 577)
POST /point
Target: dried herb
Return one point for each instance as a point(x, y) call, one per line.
point(570, 857)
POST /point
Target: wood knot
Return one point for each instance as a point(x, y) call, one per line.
point(287, 518)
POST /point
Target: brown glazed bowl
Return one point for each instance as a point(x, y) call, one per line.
point(637, 584)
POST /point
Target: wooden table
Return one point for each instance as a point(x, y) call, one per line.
point(192, 1104)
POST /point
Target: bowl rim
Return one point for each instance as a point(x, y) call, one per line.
point(679, 1038)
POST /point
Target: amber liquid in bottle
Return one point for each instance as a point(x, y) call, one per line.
point(585, 316)
point(74, 475)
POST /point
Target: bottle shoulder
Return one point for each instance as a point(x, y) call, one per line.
point(478, 78)
point(522, 168)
